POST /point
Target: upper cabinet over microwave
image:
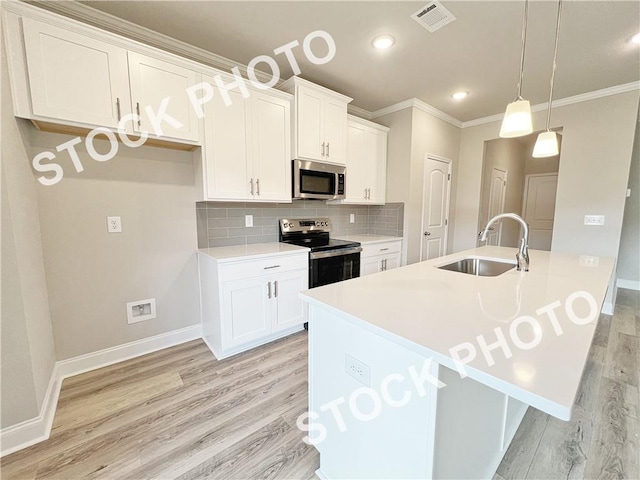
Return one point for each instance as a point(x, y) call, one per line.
point(320, 122)
point(82, 81)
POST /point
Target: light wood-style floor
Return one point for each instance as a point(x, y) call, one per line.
point(180, 413)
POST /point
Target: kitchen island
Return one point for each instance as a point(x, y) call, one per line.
point(423, 372)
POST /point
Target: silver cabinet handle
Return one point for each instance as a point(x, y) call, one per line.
point(384, 249)
point(365, 193)
point(268, 289)
point(258, 186)
point(426, 234)
point(138, 112)
point(385, 264)
point(327, 149)
point(368, 194)
point(272, 266)
point(275, 289)
point(251, 182)
point(323, 149)
point(118, 108)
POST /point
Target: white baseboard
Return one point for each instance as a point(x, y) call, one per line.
point(221, 355)
point(35, 430)
point(607, 308)
point(629, 284)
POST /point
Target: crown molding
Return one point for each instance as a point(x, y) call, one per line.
point(420, 105)
point(583, 97)
point(110, 23)
point(359, 112)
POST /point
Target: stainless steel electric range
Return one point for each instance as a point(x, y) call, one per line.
point(330, 260)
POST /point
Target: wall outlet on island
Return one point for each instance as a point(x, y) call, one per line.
point(358, 370)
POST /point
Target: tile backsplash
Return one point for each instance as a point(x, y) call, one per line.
point(222, 223)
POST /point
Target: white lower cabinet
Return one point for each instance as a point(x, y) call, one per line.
point(248, 303)
point(378, 257)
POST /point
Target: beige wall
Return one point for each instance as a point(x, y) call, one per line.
point(629, 258)
point(414, 134)
point(93, 274)
point(28, 353)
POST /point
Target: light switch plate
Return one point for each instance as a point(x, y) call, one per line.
point(594, 219)
point(248, 220)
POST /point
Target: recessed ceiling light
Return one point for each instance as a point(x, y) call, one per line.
point(383, 41)
point(635, 38)
point(459, 95)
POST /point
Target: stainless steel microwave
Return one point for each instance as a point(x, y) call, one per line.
point(317, 180)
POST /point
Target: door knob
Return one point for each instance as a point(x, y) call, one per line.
point(426, 234)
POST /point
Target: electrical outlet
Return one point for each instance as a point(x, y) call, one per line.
point(589, 261)
point(628, 192)
point(248, 220)
point(114, 225)
point(358, 370)
point(141, 310)
point(594, 219)
point(352, 218)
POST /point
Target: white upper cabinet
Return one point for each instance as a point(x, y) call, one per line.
point(159, 89)
point(247, 151)
point(79, 80)
point(320, 121)
point(366, 162)
point(271, 143)
point(75, 78)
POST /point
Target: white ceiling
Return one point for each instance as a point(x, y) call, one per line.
point(479, 52)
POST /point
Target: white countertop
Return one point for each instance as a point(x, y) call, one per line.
point(367, 238)
point(431, 310)
point(246, 252)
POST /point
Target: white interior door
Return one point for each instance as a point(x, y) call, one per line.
point(496, 204)
point(539, 208)
point(435, 208)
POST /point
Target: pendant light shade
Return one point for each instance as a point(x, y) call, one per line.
point(546, 145)
point(547, 142)
point(517, 120)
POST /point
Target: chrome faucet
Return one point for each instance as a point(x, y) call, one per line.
point(522, 257)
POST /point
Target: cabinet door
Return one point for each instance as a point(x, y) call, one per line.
point(246, 311)
point(357, 173)
point(227, 162)
point(271, 140)
point(335, 131)
point(75, 78)
point(392, 261)
point(162, 87)
point(289, 309)
point(370, 265)
point(377, 168)
point(309, 124)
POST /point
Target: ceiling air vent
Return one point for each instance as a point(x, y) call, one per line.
point(433, 16)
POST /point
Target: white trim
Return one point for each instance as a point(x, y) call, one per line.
point(607, 308)
point(359, 112)
point(628, 284)
point(221, 355)
point(561, 102)
point(109, 356)
point(420, 105)
point(38, 429)
point(27, 433)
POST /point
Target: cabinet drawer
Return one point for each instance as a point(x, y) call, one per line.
point(381, 248)
point(263, 266)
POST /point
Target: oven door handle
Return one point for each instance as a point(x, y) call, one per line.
point(334, 253)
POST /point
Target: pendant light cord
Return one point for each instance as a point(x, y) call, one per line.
point(553, 69)
point(524, 44)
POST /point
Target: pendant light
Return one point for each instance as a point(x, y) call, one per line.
point(547, 142)
point(517, 119)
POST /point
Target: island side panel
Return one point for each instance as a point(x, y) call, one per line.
point(474, 427)
point(397, 443)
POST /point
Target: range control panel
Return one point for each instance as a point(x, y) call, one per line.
point(322, 224)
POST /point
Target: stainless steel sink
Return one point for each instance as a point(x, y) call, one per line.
point(479, 266)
